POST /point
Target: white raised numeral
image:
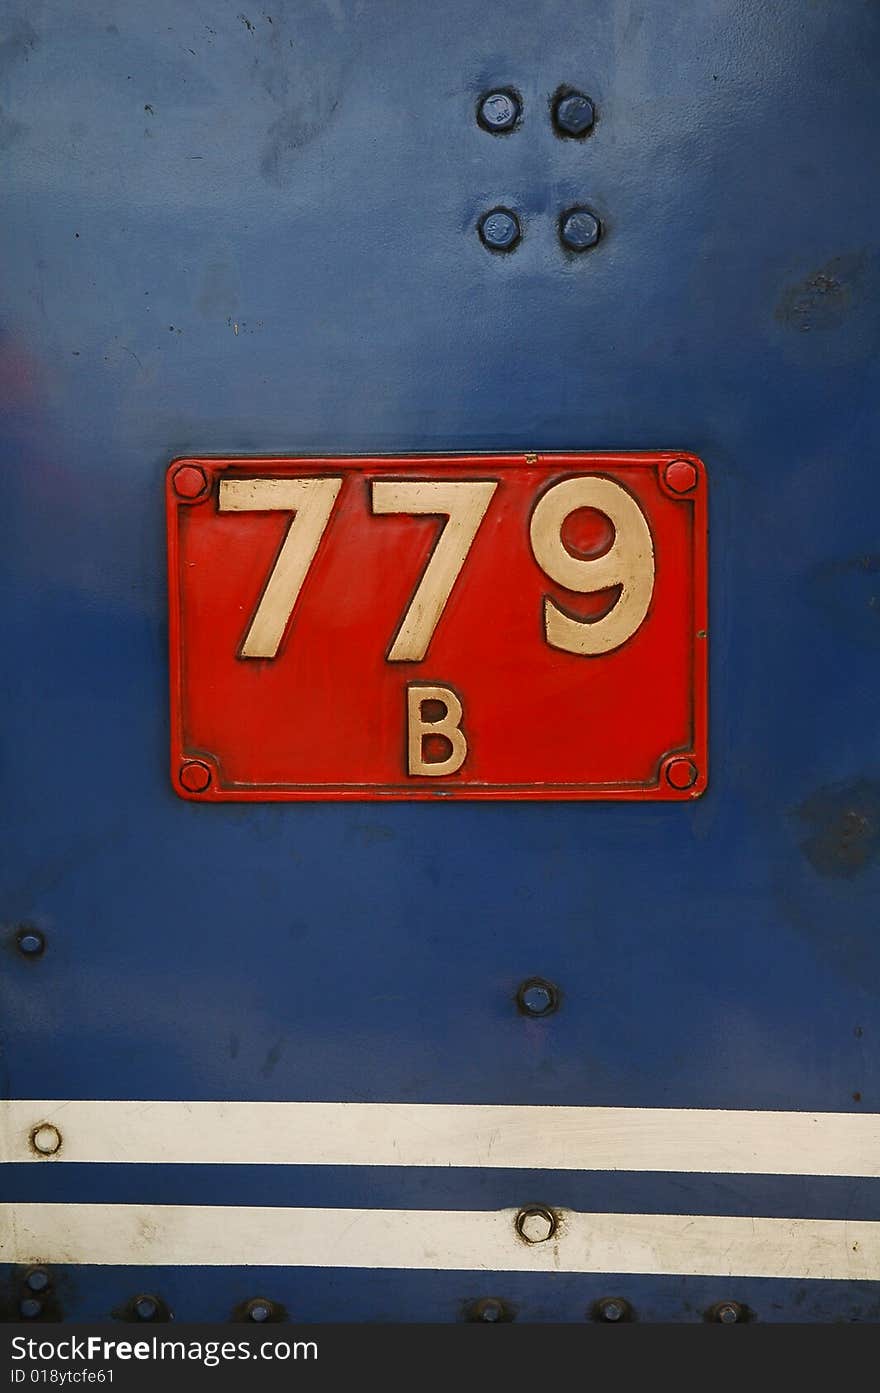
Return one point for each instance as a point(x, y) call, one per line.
point(629, 563)
point(311, 501)
point(464, 504)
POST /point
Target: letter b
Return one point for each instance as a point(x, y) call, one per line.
point(448, 725)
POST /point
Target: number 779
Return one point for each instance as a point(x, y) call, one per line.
point(628, 564)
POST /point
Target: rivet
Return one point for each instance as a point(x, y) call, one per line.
point(579, 229)
point(535, 997)
point(490, 1310)
point(30, 942)
point(536, 1225)
point(258, 1310)
point(37, 1281)
point(145, 1307)
point(573, 114)
point(499, 230)
point(680, 476)
point(728, 1313)
point(189, 482)
point(681, 773)
point(195, 776)
point(29, 1308)
point(499, 111)
point(46, 1139)
point(613, 1308)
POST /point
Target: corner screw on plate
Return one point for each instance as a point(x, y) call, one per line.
point(499, 111)
point(46, 1139)
point(579, 229)
point(573, 114)
point(499, 230)
point(535, 997)
point(30, 1307)
point(680, 476)
point(195, 776)
point(37, 1280)
point(681, 773)
point(536, 1225)
point(189, 482)
point(30, 942)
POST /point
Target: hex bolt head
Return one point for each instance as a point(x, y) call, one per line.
point(681, 773)
point(30, 942)
point(145, 1307)
point(30, 1307)
point(499, 111)
point(680, 476)
point(499, 230)
point(259, 1310)
point(573, 114)
point(37, 1281)
point(46, 1139)
point(536, 1225)
point(579, 229)
point(189, 482)
point(612, 1308)
point(535, 997)
point(728, 1313)
point(195, 776)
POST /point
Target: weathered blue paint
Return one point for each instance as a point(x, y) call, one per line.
point(253, 231)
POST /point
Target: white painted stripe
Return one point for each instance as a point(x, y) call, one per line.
point(449, 1240)
point(433, 1134)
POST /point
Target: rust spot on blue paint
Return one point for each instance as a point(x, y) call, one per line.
point(844, 823)
point(822, 299)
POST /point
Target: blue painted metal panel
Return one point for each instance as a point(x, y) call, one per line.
point(256, 232)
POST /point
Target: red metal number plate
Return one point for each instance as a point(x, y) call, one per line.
point(512, 626)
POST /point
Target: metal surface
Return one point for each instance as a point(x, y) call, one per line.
point(238, 232)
